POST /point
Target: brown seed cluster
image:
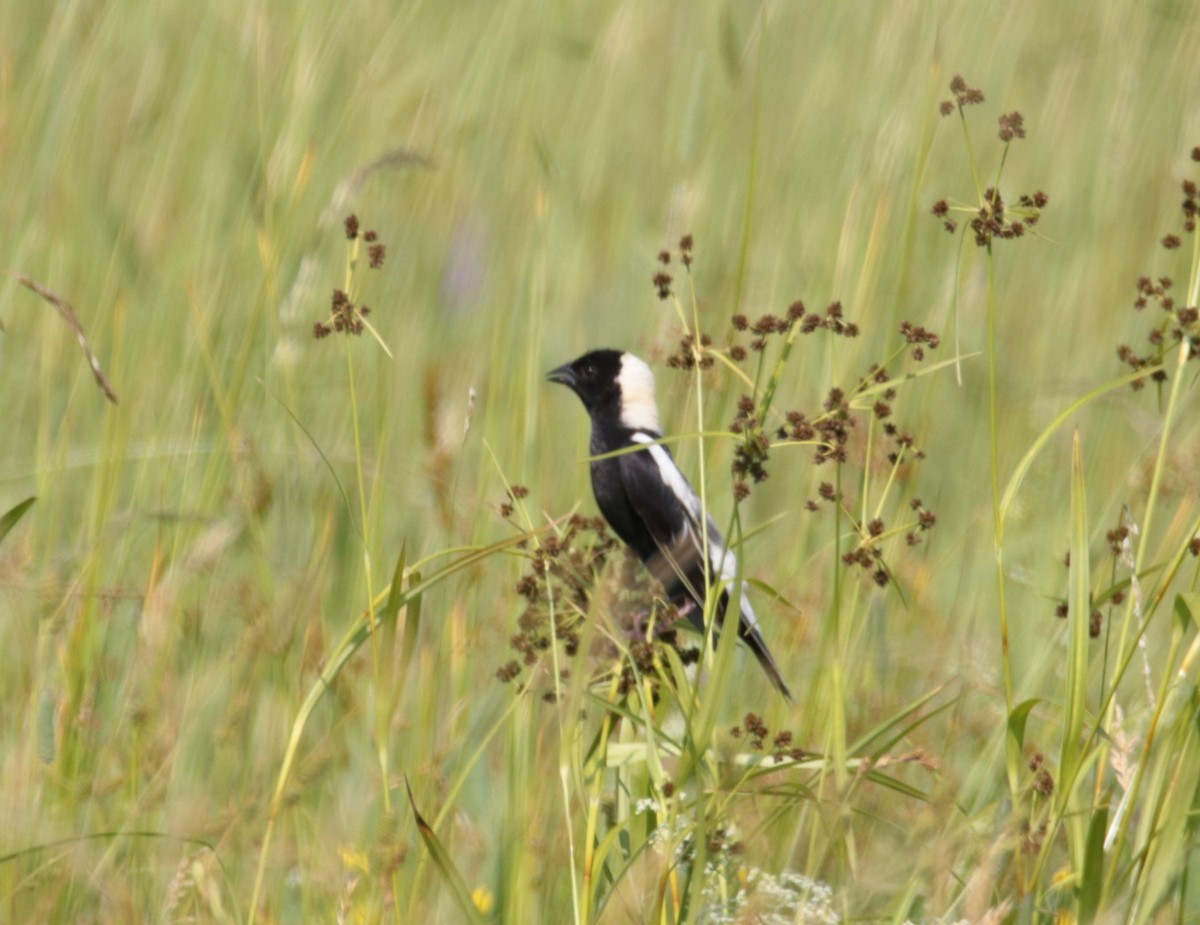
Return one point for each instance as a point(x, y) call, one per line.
point(1043, 780)
point(1119, 540)
point(561, 568)
point(833, 321)
point(754, 728)
point(1012, 126)
point(830, 430)
point(345, 317)
point(1174, 324)
point(563, 585)
point(752, 453)
point(992, 219)
point(516, 493)
point(691, 355)
point(662, 279)
point(867, 555)
point(962, 96)
point(769, 324)
point(941, 210)
point(920, 338)
point(1190, 205)
point(1095, 618)
point(1032, 839)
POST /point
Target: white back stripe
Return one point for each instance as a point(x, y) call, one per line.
point(674, 479)
point(723, 564)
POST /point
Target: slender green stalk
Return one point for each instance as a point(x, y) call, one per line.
point(596, 770)
point(997, 518)
point(579, 901)
point(751, 173)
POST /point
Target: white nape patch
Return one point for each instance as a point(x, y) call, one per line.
point(638, 408)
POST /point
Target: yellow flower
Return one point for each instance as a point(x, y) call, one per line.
point(483, 899)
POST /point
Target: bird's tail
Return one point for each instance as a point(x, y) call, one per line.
point(753, 639)
point(748, 631)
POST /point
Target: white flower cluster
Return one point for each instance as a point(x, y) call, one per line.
point(766, 899)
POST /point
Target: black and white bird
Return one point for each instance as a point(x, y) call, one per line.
point(646, 499)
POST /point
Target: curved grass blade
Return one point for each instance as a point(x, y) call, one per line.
point(9, 519)
point(892, 723)
point(358, 633)
point(1091, 883)
point(1079, 616)
point(63, 307)
point(444, 863)
point(1018, 476)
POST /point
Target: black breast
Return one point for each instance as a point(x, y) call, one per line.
point(613, 497)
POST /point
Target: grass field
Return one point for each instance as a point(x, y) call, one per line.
point(253, 622)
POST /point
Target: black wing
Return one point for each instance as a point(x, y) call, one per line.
point(660, 496)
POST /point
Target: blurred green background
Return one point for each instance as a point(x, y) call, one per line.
point(179, 172)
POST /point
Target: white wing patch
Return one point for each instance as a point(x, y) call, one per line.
point(670, 473)
point(729, 568)
point(639, 411)
point(723, 564)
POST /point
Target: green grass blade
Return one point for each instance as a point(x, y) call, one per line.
point(1079, 616)
point(1018, 476)
point(889, 725)
point(1091, 883)
point(445, 865)
point(395, 592)
point(1019, 717)
point(350, 643)
point(10, 517)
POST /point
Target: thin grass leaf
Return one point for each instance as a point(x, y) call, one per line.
point(881, 729)
point(9, 518)
point(1172, 794)
point(387, 628)
point(893, 783)
point(1079, 616)
point(325, 459)
point(612, 838)
point(1185, 608)
point(1071, 769)
point(350, 184)
point(903, 731)
point(395, 591)
point(443, 862)
point(1091, 882)
point(63, 307)
point(1019, 717)
point(1018, 476)
point(858, 399)
point(412, 623)
point(350, 643)
point(47, 726)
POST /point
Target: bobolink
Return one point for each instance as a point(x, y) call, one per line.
point(646, 499)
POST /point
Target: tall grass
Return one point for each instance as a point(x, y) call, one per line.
point(255, 616)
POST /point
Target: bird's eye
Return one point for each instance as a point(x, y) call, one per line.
point(589, 370)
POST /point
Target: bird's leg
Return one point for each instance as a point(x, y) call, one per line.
point(685, 610)
point(640, 624)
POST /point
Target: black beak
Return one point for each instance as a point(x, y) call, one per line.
point(564, 375)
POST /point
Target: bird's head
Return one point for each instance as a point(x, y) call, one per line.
point(615, 387)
